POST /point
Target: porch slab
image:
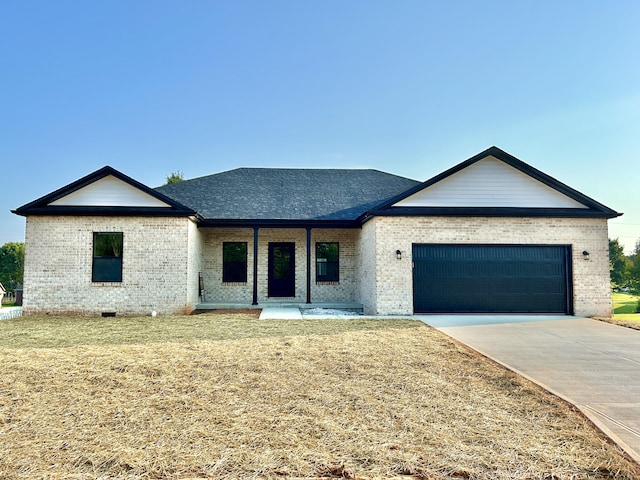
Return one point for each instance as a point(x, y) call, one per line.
point(280, 313)
point(351, 306)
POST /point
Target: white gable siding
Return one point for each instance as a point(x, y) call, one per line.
point(109, 192)
point(489, 183)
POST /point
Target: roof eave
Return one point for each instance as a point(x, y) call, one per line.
point(489, 212)
point(276, 223)
point(105, 211)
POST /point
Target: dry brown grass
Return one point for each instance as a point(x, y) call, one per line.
point(362, 402)
point(635, 324)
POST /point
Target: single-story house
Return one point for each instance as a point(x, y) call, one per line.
point(490, 235)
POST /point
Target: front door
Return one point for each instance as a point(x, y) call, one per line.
point(282, 271)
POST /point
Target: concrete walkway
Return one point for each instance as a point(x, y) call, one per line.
point(593, 365)
point(280, 313)
point(7, 313)
point(293, 313)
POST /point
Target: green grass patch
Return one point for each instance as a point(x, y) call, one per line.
point(624, 303)
point(69, 331)
point(624, 310)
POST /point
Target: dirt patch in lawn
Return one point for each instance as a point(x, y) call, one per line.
point(355, 404)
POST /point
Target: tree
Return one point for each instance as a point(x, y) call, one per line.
point(619, 265)
point(175, 177)
point(634, 269)
point(12, 265)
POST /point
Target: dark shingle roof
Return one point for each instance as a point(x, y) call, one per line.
point(287, 194)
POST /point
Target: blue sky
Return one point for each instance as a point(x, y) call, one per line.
point(408, 87)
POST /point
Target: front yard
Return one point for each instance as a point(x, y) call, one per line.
point(625, 306)
point(229, 396)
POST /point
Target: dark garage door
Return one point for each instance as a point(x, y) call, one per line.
point(492, 278)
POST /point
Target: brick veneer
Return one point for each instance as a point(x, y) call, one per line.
point(162, 258)
point(219, 292)
point(160, 263)
point(386, 282)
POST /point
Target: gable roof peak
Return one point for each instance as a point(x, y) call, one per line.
point(54, 203)
point(559, 199)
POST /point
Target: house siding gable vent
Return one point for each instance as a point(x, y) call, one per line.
point(109, 191)
point(489, 182)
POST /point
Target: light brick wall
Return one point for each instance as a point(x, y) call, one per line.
point(345, 290)
point(219, 292)
point(366, 267)
point(393, 287)
point(162, 258)
point(59, 255)
point(195, 246)
point(215, 290)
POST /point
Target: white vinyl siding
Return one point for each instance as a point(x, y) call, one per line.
point(109, 192)
point(489, 183)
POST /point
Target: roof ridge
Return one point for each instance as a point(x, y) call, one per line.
point(296, 169)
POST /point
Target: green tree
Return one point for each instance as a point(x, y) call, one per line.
point(634, 269)
point(175, 177)
point(12, 264)
point(619, 265)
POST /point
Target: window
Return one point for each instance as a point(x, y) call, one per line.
point(107, 257)
point(327, 263)
point(234, 262)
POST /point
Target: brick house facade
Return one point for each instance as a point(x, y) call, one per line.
point(107, 243)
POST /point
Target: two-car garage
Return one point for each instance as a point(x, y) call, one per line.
point(494, 278)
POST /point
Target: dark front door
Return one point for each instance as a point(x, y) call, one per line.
point(492, 278)
point(282, 271)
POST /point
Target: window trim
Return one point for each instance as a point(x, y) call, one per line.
point(322, 279)
point(236, 281)
point(96, 279)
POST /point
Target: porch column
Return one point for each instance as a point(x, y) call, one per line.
point(255, 266)
point(308, 264)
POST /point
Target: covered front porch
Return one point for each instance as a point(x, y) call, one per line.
point(259, 267)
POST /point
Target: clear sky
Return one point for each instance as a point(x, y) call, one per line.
point(411, 87)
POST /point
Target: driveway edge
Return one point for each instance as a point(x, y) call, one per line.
point(591, 415)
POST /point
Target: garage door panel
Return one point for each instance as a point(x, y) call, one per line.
point(491, 278)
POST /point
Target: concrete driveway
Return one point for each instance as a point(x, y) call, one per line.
point(592, 364)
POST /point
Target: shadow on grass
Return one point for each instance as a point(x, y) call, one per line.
point(624, 303)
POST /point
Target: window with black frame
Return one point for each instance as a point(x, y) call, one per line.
point(107, 257)
point(234, 262)
point(327, 262)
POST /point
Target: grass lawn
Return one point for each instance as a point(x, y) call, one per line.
point(624, 310)
point(229, 396)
